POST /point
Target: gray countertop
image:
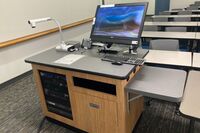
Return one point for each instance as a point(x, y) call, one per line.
point(91, 63)
point(160, 83)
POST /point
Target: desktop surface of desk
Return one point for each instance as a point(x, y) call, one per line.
point(188, 24)
point(174, 35)
point(89, 63)
point(174, 58)
point(160, 83)
point(198, 35)
point(193, 11)
point(176, 16)
point(196, 60)
point(190, 105)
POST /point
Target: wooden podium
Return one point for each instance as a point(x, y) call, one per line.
point(97, 104)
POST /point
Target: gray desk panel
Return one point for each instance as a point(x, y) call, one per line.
point(188, 24)
point(88, 64)
point(176, 16)
point(193, 11)
point(174, 35)
point(190, 105)
point(175, 58)
point(160, 83)
point(196, 60)
point(198, 34)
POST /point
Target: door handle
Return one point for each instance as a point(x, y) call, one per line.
point(93, 105)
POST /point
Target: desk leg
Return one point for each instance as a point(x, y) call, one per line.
point(131, 99)
point(177, 111)
point(191, 127)
point(191, 45)
point(198, 46)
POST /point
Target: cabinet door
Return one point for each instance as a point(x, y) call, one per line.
point(95, 115)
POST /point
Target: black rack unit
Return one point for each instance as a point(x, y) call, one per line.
point(56, 93)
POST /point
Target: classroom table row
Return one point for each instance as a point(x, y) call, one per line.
point(173, 35)
point(176, 16)
point(175, 12)
point(173, 17)
point(173, 58)
point(185, 24)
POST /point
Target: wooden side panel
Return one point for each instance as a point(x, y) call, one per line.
point(95, 112)
point(136, 108)
point(95, 115)
point(127, 119)
point(39, 89)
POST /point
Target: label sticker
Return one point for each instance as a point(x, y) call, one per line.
point(103, 6)
point(93, 21)
point(134, 42)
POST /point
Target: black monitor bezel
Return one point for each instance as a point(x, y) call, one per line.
point(119, 40)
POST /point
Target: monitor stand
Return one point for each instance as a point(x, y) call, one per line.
point(132, 50)
point(106, 49)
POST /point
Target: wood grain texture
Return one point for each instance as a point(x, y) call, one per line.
point(93, 111)
point(128, 119)
point(99, 119)
point(43, 33)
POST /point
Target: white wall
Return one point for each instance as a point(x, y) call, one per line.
point(16, 13)
point(151, 7)
point(180, 3)
point(12, 58)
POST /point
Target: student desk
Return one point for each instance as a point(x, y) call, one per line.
point(196, 60)
point(176, 16)
point(172, 12)
point(171, 58)
point(185, 24)
point(198, 34)
point(171, 17)
point(92, 91)
point(190, 105)
point(176, 12)
point(174, 35)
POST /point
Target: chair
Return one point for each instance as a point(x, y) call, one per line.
point(176, 29)
point(177, 9)
point(164, 44)
point(183, 44)
point(192, 8)
point(180, 29)
point(186, 12)
point(150, 28)
point(197, 3)
point(185, 19)
point(164, 13)
point(160, 19)
point(148, 18)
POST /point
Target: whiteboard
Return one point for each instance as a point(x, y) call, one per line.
point(16, 13)
point(151, 6)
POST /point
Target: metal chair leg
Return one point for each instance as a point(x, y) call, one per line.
point(191, 127)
